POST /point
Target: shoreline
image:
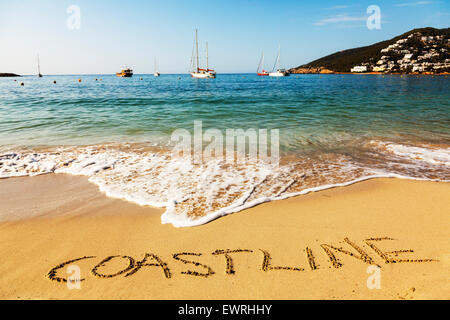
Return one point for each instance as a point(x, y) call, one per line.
point(376, 73)
point(280, 244)
point(231, 73)
point(148, 176)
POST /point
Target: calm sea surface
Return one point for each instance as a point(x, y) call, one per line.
point(334, 129)
point(309, 110)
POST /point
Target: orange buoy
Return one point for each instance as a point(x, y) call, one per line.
point(79, 80)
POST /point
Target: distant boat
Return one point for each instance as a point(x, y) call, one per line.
point(261, 66)
point(279, 72)
point(126, 73)
point(156, 73)
point(39, 68)
point(198, 72)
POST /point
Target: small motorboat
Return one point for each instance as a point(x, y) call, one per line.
point(126, 73)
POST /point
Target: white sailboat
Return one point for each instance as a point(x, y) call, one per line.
point(39, 67)
point(198, 72)
point(156, 73)
point(279, 72)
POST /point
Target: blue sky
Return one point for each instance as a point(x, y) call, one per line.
point(117, 33)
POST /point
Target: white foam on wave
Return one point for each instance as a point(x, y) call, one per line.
point(440, 156)
point(196, 194)
point(146, 178)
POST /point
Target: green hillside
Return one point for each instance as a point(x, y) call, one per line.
point(343, 61)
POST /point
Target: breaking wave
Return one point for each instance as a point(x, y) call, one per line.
point(196, 194)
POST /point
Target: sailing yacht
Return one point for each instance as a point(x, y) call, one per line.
point(39, 68)
point(198, 72)
point(261, 65)
point(156, 73)
point(279, 72)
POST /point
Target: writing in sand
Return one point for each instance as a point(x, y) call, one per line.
point(130, 266)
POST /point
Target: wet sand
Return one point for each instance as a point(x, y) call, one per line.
point(315, 246)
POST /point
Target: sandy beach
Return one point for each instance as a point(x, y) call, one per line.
point(315, 246)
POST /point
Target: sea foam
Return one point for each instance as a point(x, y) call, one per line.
point(196, 194)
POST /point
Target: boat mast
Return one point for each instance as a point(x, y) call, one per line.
point(156, 69)
point(39, 67)
point(207, 68)
point(261, 63)
point(196, 46)
point(191, 66)
point(278, 58)
point(276, 66)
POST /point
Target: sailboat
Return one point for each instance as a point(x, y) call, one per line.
point(39, 68)
point(198, 72)
point(279, 72)
point(156, 73)
point(261, 65)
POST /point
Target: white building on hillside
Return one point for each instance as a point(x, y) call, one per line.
point(407, 57)
point(359, 69)
point(379, 69)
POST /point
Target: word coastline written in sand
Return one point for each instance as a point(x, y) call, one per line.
point(197, 267)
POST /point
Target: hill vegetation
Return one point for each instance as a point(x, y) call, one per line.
point(344, 60)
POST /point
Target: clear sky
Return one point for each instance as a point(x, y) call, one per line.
point(115, 33)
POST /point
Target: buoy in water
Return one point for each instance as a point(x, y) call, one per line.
point(54, 81)
point(79, 80)
point(22, 84)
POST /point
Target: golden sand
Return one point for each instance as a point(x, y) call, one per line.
point(315, 246)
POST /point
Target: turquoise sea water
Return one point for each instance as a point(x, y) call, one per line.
point(310, 110)
point(334, 130)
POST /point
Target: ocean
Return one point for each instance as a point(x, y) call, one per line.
point(333, 130)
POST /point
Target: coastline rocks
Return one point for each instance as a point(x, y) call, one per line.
point(9, 75)
point(307, 70)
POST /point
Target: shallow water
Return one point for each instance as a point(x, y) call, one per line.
point(334, 129)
